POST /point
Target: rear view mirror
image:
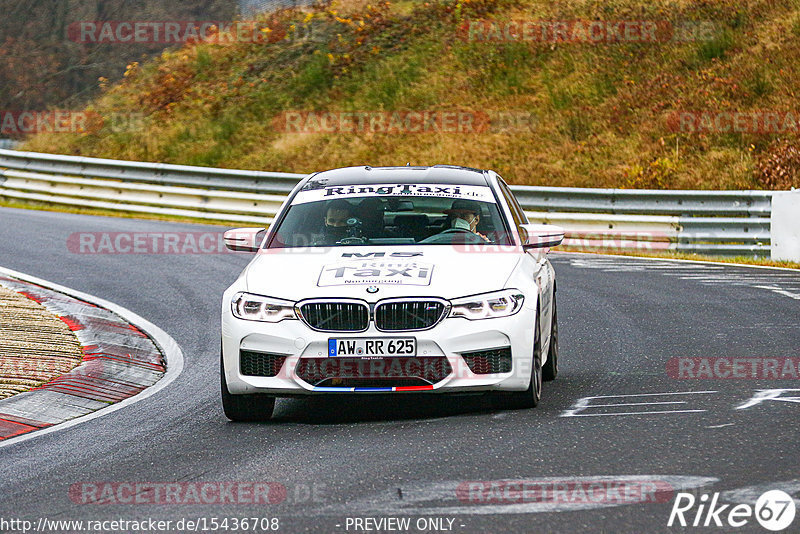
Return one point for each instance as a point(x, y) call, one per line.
point(400, 205)
point(541, 235)
point(244, 239)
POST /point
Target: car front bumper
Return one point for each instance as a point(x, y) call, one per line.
point(451, 337)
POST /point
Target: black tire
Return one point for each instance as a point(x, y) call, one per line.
point(245, 408)
point(550, 367)
point(520, 400)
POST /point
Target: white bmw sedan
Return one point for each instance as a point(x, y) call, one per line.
point(389, 281)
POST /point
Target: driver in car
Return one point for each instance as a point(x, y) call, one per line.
point(335, 227)
point(465, 215)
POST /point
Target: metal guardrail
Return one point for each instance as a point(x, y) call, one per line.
point(708, 222)
point(646, 201)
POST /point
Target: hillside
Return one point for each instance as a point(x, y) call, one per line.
point(579, 93)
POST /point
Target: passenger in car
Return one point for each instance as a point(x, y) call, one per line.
point(465, 215)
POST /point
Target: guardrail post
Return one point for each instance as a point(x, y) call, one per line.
point(785, 226)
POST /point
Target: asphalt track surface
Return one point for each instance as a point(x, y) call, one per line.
point(621, 321)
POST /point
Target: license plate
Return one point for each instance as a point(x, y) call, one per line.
point(383, 346)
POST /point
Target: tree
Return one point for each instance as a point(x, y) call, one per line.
point(41, 67)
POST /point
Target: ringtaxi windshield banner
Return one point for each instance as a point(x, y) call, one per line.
point(467, 192)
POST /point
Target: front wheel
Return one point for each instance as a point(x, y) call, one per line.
point(518, 400)
point(251, 408)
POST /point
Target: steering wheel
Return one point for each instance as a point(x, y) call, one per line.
point(354, 240)
point(453, 230)
point(449, 236)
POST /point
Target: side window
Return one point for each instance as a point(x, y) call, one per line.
point(516, 211)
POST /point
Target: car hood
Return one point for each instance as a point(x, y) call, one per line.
point(380, 272)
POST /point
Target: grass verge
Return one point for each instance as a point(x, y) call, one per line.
point(738, 260)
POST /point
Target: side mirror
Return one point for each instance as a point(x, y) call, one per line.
point(541, 235)
point(244, 239)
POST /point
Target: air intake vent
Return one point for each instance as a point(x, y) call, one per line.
point(260, 363)
point(486, 362)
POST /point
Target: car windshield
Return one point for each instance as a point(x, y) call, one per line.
point(391, 214)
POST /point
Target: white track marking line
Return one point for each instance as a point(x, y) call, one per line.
point(766, 395)
point(750, 494)
point(635, 404)
point(698, 272)
point(780, 291)
point(629, 413)
point(677, 260)
point(707, 392)
point(448, 499)
point(735, 278)
point(584, 403)
point(168, 346)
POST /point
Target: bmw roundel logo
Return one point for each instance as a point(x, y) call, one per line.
point(372, 289)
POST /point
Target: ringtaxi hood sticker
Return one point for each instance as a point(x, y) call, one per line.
point(407, 273)
point(469, 192)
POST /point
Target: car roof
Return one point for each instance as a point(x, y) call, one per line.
point(437, 174)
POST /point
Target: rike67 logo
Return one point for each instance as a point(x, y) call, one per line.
point(774, 510)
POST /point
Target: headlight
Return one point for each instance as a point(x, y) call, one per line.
point(488, 305)
point(259, 308)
